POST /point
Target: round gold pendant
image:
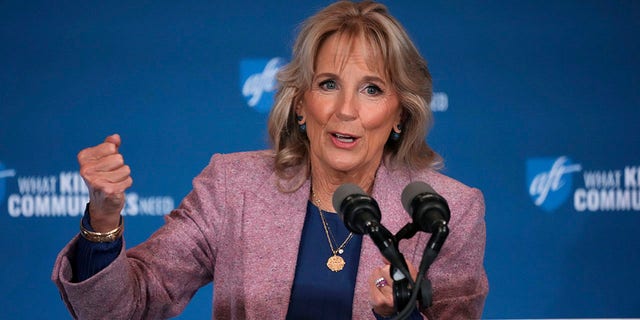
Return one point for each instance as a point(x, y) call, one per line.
point(335, 263)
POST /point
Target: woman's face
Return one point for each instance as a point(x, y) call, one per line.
point(350, 108)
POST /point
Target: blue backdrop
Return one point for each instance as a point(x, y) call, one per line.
point(537, 105)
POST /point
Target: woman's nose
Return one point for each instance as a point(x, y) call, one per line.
point(347, 108)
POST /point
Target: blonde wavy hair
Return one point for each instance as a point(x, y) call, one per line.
point(404, 66)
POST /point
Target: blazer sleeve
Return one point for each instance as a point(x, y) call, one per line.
point(157, 278)
point(458, 277)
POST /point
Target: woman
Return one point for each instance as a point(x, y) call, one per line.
point(352, 106)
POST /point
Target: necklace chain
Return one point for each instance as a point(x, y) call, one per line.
point(330, 237)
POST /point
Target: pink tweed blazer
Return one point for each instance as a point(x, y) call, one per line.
point(236, 229)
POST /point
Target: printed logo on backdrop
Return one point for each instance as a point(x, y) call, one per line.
point(258, 81)
point(550, 183)
point(4, 175)
point(64, 194)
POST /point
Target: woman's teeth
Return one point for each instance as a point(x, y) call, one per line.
point(343, 138)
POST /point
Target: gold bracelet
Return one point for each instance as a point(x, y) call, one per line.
point(109, 236)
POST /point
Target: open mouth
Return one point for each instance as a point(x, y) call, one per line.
point(344, 138)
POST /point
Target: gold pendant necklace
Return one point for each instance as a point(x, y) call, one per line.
point(335, 263)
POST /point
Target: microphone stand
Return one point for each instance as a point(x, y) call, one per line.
point(388, 246)
point(422, 285)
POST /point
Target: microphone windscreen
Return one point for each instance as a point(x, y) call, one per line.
point(343, 192)
point(412, 190)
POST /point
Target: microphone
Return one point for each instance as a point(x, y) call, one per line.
point(357, 210)
point(429, 211)
point(361, 215)
point(425, 206)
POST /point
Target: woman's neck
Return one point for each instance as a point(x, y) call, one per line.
point(325, 182)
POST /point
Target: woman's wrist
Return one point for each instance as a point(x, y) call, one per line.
point(108, 236)
point(90, 231)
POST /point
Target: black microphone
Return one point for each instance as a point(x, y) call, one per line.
point(425, 206)
point(429, 211)
point(361, 215)
point(357, 210)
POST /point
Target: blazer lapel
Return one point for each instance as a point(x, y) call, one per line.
point(273, 223)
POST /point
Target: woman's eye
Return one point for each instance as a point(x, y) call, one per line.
point(328, 85)
point(372, 90)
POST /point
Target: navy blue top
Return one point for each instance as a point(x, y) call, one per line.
point(319, 293)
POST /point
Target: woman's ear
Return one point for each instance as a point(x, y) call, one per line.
point(300, 113)
point(300, 118)
point(397, 128)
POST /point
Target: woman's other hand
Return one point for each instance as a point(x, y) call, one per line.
point(107, 176)
point(381, 289)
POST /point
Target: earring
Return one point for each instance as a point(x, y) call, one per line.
point(395, 136)
point(301, 126)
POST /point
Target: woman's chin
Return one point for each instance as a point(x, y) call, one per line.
point(347, 166)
